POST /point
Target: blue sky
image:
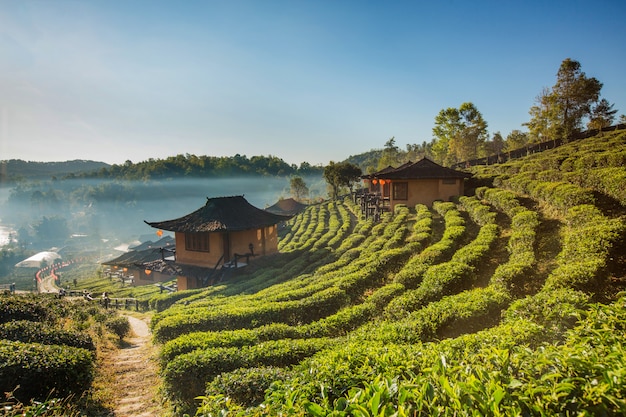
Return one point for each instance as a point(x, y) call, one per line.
point(313, 81)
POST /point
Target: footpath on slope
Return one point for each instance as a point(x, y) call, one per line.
point(135, 374)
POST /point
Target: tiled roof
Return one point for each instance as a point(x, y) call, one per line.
point(134, 258)
point(422, 169)
point(385, 170)
point(222, 214)
point(165, 241)
point(287, 207)
point(176, 269)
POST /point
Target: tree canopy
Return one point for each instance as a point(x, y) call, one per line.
point(560, 111)
point(602, 115)
point(390, 155)
point(459, 134)
point(298, 188)
point(343, 174)
point(190, 165)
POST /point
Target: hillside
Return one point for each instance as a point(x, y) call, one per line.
point(17, 169)
point(429, 309)
point(507, 302)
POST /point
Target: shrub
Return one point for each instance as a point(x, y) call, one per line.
point(35, 332)
point(464, 312)
point(41, 369)
point(246, 386)
point(22, 308)
point(555, 311)
point(163, 301)
point(185, 377)
point(290, 312)
point(118, 325)
point(587, 243)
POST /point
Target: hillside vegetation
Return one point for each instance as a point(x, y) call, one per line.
point(17, 169)
point(50, 351)
point(507, 302)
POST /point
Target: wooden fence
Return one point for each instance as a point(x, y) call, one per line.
point(534, 148)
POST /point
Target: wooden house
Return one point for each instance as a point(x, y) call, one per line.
point(287, 207)
point(421, 182)
point(130, 266)
point(217, 236)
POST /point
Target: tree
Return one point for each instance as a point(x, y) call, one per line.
point(298, 188)
point(574, 94)
point(343, 174)
point(622, 119)
point(447, 126)
point(390, 154)
point(516, 140)
point(602, 115)
point(559, 112)
point(543, 125)
point(416, 152)
point(459, 134)
point(495, 145)
point(52, 229)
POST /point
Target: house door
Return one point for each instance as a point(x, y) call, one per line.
point(226, 249)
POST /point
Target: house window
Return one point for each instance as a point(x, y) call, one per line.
point(400, 190)
point(448, 181)
point(198, 242)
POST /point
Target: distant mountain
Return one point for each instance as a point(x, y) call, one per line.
point(17, 169)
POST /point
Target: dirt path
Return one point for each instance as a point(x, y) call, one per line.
point(136, 374)
point(47, 285)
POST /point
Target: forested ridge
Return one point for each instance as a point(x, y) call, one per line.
point(16, 169)
point(506, 302)
point(178, 166)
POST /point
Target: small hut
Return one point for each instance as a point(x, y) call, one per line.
point(421, 182)
point(287, 207)
point(130, 266)
point(219, 235)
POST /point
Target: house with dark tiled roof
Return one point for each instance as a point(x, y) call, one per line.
point(130, 266)
point(287, 207)
point(217, 235)
point(164, 242)
point(421, 182)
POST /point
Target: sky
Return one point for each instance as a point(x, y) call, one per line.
point(305, 81)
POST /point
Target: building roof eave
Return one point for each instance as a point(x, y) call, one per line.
point(422, 169)
point(222, 214)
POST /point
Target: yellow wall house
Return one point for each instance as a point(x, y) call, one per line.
point(219, 234)
point(421, 182)
point(129, 267)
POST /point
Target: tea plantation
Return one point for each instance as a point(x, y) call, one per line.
point(506, 302)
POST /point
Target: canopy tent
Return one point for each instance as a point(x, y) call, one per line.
point(35, 261)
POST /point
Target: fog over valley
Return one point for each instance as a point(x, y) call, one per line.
point(49, 212)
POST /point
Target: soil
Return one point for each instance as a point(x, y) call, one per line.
point(135, 374)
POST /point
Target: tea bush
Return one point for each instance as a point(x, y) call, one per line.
point(38, 332)
point(40, 370)
point(186, 375)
